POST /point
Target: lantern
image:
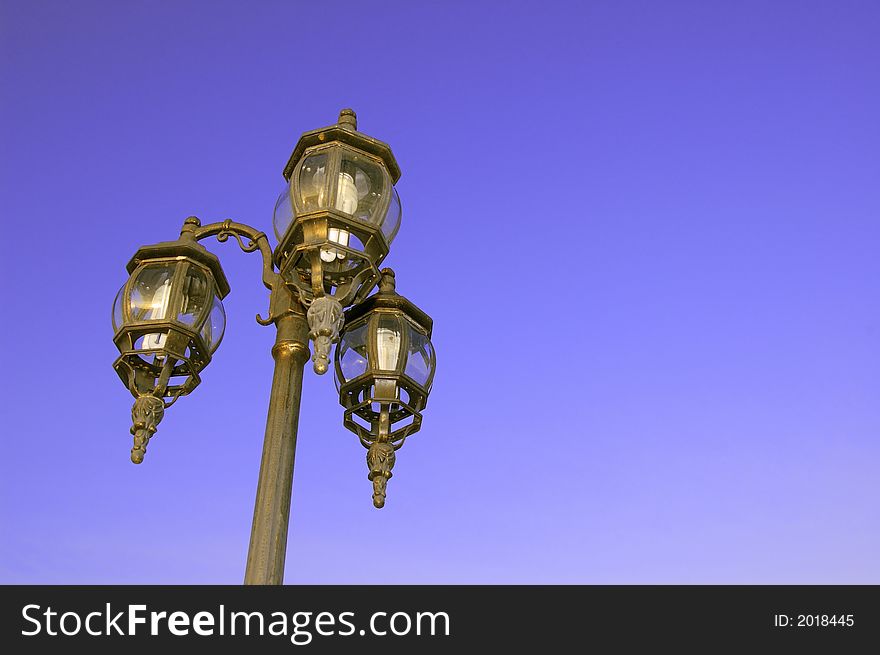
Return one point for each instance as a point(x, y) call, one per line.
point(168, 319)
point(384, 370)
point(335, 222)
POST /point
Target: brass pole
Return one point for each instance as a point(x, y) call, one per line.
point(268, 545)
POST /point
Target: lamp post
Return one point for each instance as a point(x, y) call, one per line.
point(335, 222)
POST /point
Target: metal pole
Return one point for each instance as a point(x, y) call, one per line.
point(268, 546)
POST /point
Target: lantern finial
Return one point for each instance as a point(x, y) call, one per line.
point(387, 283)
point(188, 231)
point(348, 120)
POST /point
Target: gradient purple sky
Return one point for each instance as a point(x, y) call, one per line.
point(647, 234)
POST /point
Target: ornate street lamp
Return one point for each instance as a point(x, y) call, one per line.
point(384, 369)
point(335, 222)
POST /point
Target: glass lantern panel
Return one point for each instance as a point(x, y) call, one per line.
point(420, 358)
point(361, 188)
point(212, 330)
point(391, 224)
point(196, 296)
point(387, 343)
point(117, 309)
point(283, 215)
point(151, 292)
point(312, 192)
point(353, 353)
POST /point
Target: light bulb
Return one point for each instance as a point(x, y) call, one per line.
point(388, 346)
point(347, 202)
point(346, 194)
point(157, 310)
point(337, 236)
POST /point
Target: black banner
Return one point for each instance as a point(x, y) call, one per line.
point(430, 619)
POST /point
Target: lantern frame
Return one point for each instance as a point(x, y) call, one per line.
point(298, 255)
point(364, 396)
point(185, 351)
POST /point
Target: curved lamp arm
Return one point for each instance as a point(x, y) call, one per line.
point(256, 239)
point(193, 229)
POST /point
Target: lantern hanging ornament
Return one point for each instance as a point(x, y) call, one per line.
point(335, 222)
point(168, 320)
point(384, 368)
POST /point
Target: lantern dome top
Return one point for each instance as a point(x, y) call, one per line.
point(344, 131)
point(183, 248)
point(388, 298)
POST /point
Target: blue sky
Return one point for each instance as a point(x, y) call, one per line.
point(647, 234)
